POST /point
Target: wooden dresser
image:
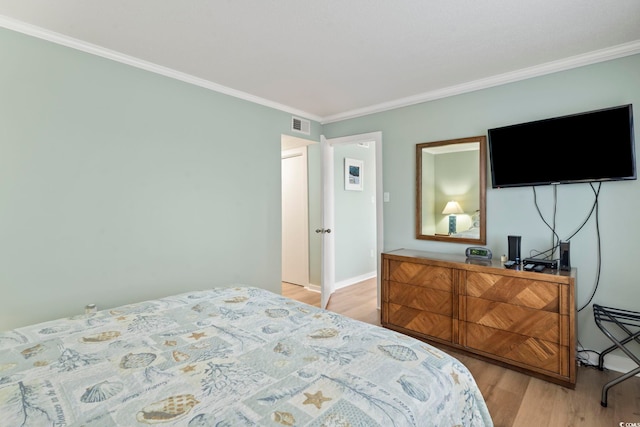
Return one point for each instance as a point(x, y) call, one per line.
point(518, 319)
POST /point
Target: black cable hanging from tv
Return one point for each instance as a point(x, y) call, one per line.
point(548, 253)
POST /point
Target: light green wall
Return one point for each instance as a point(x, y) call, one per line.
point(512, 211)
point(355, 215)
point(119, 185)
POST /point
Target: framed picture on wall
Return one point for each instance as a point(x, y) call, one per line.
point(353, 174)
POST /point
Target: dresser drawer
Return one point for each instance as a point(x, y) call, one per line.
point(428, 276)
point(539, 295)
point(513, 318)
point(432, 324)
point(421, 298)
point(527, 350)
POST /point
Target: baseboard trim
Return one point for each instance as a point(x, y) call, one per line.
point(613, 362)
point(344, 283)
point(357, 279)
point(313, 288)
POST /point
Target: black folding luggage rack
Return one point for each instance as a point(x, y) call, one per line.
point(626, 321)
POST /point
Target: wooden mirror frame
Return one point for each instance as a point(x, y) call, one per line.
point(482, 173)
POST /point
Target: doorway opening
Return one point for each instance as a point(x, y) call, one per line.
point(316, 220)
point(336, 188)
point(295, 211)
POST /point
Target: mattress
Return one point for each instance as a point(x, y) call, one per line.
point(229, 356)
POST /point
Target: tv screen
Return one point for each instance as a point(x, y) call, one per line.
point(585, 147)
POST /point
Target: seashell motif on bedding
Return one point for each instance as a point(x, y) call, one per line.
point(276, 312)
point(32, 351)
point(237, 299)
point(306, 373)
point(53, 330)
point(101, 337)
point(271, 329)
point(283, 348)
point(167, 410)
point(40, 363)
point(412, 386)
point(324, 333)
point(179, 356)
point(335, 420)
point(198, 307)
point(398, 352)
point(139, 360)
point(284, 418)
point(101, 391)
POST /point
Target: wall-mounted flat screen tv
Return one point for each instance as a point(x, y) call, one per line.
point(585, 147)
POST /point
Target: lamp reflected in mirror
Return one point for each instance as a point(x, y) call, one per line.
point(452, 208)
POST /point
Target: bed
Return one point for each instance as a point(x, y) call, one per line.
point(229, 356)
point(471, 233)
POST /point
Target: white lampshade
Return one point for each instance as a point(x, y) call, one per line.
point(452, 207)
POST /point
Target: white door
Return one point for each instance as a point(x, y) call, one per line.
point(328, 233)
point(295, 228)
point(327, 287)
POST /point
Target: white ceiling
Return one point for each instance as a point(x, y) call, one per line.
point(332, 59)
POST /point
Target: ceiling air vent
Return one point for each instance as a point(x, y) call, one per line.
point(300, 125)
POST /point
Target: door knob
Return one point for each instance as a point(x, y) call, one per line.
point(322, 230)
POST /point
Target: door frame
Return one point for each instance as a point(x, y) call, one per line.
point(328, 198)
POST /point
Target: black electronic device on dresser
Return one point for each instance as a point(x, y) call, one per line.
point(546, 263)
point(565, 263)
point(514, 248)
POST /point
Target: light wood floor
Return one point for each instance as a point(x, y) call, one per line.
point(513, 399)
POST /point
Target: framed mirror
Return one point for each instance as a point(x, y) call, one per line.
point(451, 190)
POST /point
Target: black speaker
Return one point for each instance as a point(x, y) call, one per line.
point(514, 248)
point(565, 263)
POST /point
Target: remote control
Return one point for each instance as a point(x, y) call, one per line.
point(539, 268)
point(509, 264)
point(529, 267)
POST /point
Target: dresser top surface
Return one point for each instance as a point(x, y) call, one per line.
point(472, 263)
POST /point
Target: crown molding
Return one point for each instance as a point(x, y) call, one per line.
point(594, 57)
point(619, 51)
point(61, 39)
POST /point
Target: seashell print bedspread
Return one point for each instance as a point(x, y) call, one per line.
point(232, 356)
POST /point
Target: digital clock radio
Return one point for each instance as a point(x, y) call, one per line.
point(478, 252)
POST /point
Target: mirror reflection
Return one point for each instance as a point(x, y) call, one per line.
point(450, 190)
